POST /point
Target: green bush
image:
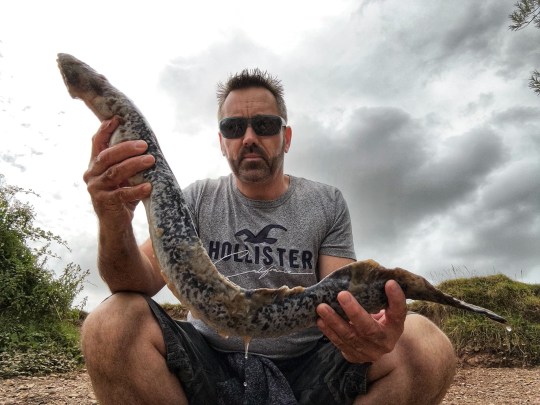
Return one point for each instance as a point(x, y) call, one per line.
point(36, 314)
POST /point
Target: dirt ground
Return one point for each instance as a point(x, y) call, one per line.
point(471, 386)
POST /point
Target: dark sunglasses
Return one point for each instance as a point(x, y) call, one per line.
point(263, 125)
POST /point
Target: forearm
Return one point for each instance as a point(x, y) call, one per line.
point(123, 266)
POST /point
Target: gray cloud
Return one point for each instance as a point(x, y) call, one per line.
point(484, 101)
point(365, 119)
point(12, 160)
point(418, 111)
point(474, 35)
point(521, 116)
point(191, 82)
point(394, 174)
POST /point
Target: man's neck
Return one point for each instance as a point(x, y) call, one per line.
point(269, 190)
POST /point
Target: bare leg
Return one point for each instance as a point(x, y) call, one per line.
point(418, 371)
point(124, 351)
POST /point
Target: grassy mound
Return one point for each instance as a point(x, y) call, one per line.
point(480, 341)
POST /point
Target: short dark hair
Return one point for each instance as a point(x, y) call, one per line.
point(252, 78)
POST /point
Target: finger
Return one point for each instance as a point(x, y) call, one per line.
point(397, 304)
point(378, 315)
point(367, 333)
point(115, 200)
point(332, 320)
point(117, 154)
point(357, 343)
point(360, 324)
point(117, 175)
point(136, 193)
point(342, 333)
point(357, 315)
point(329, 322)
point(359, 352)
point(100, 141)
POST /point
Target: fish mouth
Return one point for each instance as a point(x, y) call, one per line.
point(79, 77)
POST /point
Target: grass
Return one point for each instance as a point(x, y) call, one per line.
point(38, 347)
point(52, 346)
point(478, 340)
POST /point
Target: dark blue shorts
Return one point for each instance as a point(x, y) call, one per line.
point(208, 376)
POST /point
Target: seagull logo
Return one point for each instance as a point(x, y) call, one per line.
point(261, 237)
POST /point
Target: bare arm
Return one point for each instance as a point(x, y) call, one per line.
point(329, 264)
point(122, 265)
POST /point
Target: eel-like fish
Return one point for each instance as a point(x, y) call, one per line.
point(188, 270)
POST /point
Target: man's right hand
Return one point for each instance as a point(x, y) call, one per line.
point(114, 201)
point(110, 167)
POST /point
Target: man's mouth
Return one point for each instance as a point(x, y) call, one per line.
point(251, 156)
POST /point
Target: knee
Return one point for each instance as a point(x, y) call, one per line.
point(419, 370)
point(114, 325)
point(428, 351)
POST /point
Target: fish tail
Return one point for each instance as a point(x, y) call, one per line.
point(428, 292)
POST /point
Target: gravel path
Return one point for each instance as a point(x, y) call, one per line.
point(70, 388)
point(495, 386)
point(479, 386)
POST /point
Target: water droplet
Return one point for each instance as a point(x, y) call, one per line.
point(224, 335)
point(247, 339)
point(509, 329)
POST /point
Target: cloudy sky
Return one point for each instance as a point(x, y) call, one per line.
point(418, 111)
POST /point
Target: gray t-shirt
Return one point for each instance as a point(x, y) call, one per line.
point(269, 244)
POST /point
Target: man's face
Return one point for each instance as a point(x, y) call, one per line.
point(254, 158)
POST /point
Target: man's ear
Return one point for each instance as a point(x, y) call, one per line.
point(221, 144)
point(287, 138)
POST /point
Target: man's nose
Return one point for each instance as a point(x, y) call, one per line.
point(250, 137)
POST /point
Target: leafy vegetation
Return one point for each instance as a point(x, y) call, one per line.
point(527, 12)
point(37, 320)
point(479, 340)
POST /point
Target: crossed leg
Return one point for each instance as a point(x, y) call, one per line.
point(125, 354)
point(125, 357)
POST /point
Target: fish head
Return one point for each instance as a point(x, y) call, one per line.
point(93, 88)
point(81, 80)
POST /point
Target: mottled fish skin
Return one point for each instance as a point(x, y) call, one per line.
point(189, 272)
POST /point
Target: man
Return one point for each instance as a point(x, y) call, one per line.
point(263, 229)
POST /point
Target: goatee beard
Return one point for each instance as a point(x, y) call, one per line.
point(259, 170)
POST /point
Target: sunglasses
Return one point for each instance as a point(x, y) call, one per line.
point(263, 125)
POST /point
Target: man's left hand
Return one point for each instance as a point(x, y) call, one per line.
point(365, 337)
